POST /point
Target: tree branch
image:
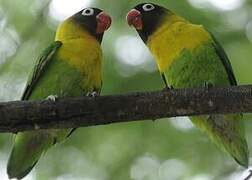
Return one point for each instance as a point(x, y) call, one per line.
point(88, 111)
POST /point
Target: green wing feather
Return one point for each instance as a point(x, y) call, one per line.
point(238, 148)
point(225, 61)
point(40, 67)
point(29, 146)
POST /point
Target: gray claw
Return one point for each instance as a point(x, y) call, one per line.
point(52, 98)
point(92, 94)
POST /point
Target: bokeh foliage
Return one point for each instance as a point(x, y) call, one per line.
point(160, 150)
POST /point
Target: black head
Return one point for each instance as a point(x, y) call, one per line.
point(94, 20)
point(146, 17)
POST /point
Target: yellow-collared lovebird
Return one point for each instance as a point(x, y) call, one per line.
point(189, 56)
point(71, 66)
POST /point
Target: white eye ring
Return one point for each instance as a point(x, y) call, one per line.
point(88, 12)
point(148, 7)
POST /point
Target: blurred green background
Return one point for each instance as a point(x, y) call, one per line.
point(161, 150)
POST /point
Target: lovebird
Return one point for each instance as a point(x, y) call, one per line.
point(71, 66)
point(187, 56)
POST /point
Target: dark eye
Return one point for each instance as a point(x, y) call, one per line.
point(148, 7)
point(88, 12)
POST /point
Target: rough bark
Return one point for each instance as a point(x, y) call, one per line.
point(90, 111)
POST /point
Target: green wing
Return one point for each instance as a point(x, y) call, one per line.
point(40, 67)
point(224, 59)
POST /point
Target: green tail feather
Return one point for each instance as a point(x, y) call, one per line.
point(26, 152)
point(227, 132)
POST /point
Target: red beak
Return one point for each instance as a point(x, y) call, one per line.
point(103, 22)
point(134, 18)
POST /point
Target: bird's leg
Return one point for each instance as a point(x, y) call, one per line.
point(52, 98)
point(167, 87)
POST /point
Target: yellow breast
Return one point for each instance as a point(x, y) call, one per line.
point(81, 51)
point(86, 57)
point(172, 37)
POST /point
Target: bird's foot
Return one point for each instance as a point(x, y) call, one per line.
point(168, 88)
point(92, 94)
point(208, 85)
point(52, 98)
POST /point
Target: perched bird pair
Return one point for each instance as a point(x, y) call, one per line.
point(186, 54)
